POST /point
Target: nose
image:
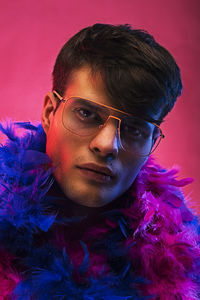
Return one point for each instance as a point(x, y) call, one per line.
point(106, 142)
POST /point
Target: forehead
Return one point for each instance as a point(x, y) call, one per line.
point(86, 84)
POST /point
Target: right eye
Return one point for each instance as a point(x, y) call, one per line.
point(87, 115)
point(84, 113)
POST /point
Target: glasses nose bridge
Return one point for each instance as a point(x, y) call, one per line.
point(115, 118)
point(118, 125)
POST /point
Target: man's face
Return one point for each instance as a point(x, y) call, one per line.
point(80, 160)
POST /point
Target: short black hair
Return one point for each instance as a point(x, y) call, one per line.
point(140, 75)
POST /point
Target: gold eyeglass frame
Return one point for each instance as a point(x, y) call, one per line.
point(118, 111)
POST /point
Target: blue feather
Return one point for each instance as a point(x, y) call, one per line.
point(26, 125)
point(85, 264)
point(122, 227)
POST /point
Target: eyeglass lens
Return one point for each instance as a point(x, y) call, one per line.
point(84, 118)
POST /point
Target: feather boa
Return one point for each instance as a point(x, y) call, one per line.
point(147, 249)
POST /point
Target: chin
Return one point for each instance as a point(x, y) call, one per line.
point(88, 200)
point(87, 193)
point(87, 197)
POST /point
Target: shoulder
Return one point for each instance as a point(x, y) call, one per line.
point(24, 173)
point(9, 278)
point(167, 237)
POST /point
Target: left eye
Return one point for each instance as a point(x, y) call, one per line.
point(134, 131)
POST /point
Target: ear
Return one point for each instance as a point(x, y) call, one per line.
point(48, 111)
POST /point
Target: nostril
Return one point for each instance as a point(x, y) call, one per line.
point(96, 149)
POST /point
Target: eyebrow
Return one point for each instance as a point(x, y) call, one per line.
point(89, 103)
point(117, 111)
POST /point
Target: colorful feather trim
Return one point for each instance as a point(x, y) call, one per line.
point(147, 249)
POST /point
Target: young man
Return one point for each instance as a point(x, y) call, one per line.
point(97, 218)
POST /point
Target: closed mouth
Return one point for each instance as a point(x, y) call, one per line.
point(105, 171)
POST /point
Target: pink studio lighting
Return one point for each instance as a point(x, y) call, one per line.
point(32, 33)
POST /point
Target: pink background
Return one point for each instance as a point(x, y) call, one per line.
point(32, 32)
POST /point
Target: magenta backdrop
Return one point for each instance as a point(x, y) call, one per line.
point(33, 32)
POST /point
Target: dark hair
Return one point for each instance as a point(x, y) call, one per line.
point(140, 76)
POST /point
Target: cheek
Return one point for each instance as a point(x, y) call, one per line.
point(57, 147)
point(132, 168)
point(63, 148)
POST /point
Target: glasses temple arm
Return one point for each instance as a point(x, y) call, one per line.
point(61, 99)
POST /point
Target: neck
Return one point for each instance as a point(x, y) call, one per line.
point(70, 208)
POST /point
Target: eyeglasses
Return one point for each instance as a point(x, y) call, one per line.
point(85, 117)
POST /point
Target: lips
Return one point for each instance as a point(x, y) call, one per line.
point(96, 172)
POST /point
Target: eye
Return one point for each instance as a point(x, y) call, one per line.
point(84, 113)
point(87, 115)
point(135, 130)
